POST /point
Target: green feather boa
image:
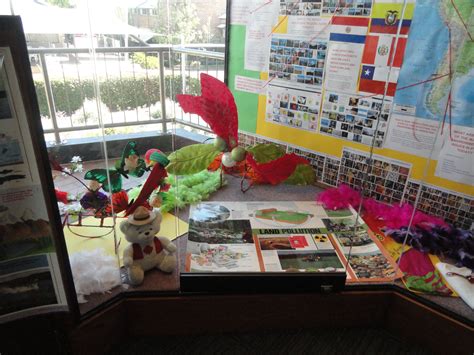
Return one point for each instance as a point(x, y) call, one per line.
point(186, 190)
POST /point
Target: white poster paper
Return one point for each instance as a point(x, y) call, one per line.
point(239, 11)
point(308, 27)
point(261, 19)
point(412, 135)
point(251, 85)
point(456, 157)
point(342, 66)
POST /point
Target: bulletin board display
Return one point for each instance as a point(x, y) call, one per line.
point(337, 79)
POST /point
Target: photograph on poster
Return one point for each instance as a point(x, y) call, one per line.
point(457, 208)
point(384, 180)
point(231, 231)
point(316, 261)
point(371, 266)
point(296, 61)
point(347, 7)
point(298, 241)
point(14, 165)
point(27, 290)
point(293, 108)
point(24, 226)
point(331, 169)
point(354, 118)
point(10, 151)
point(300, 7)
point(225, 258)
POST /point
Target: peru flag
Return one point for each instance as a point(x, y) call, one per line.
point(372, 80)
point(379, 50)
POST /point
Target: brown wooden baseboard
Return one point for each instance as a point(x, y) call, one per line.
point(246, 313)
point(418, 323)
point(199, 314)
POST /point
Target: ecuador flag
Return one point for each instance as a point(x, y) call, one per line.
point(386, 17)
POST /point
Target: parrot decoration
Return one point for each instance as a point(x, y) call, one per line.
point(217, 107)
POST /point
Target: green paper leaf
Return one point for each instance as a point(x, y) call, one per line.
point(140, 169)
point(191, 159)
point(303, 175)
point(100, 175)
point(266, 152)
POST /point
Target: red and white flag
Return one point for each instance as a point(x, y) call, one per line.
point(372, 80)
point(378, 50)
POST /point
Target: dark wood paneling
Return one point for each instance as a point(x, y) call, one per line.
point(100, 333)
point(201, 314)
point(37, 334)
point(234, 313)
point(420, 324)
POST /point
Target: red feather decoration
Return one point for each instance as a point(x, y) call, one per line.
point(119, 201)
point(216, 106)
point(61, 196)
point(157, 174)
point(277, 170)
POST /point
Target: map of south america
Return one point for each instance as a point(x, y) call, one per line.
point(431, 54)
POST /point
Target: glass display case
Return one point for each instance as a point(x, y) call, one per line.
point(328, 149)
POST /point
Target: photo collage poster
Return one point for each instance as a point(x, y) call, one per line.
point(393, 52)
point(347, 49)
point(294, 108)
point(356, 119)
point(286, 236)
point(30, 280)
point(381, 179)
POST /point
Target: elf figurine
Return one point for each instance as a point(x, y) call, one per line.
point(157, 161)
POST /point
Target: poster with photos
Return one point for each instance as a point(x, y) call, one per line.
point(300, 7)
point(447, 204)
point(30, 278)
point(293, 108)
point(347, 7)
point(278, 236)
point(357, 119)
point(383, 179)
point(14, 170)
point(297, 62)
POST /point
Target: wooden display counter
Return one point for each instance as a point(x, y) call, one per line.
point(441, 324)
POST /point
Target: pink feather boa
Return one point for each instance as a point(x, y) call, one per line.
point(339, 197)
point(398, 216)
point(395, 217)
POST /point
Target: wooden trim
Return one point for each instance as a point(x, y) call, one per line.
point(185, 314)
point(100, 333)
point(244, 313)
point(421, 324)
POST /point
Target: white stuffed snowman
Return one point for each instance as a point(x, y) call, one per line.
point(146, 251)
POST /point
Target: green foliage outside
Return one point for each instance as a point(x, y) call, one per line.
point(182, 27)
point(145, 61)
point(118, 94)
point(129, 93)
point(68, 95)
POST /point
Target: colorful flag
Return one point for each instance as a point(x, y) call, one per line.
point(348, 29)
point(386, 17)
point(372, 80)
point(379, 50)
